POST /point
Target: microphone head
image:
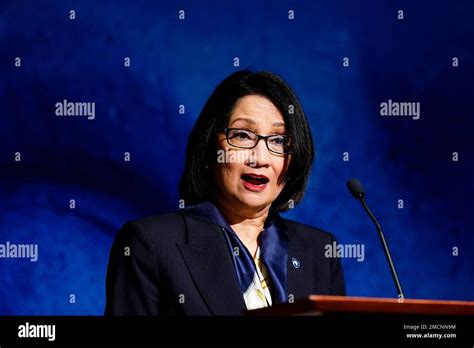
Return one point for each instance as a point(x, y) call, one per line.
point(355, 187)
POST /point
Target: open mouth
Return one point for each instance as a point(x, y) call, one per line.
point(255, 182)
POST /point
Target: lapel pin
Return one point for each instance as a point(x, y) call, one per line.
point(295, 262)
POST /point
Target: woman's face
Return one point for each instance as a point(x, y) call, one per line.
point(237, 169)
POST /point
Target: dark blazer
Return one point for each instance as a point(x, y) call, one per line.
point(178, 264)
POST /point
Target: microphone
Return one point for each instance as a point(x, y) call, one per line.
point(356, 189)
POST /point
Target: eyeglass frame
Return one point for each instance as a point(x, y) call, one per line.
point(265, 137)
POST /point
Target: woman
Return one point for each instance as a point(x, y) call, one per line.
point(248, 158)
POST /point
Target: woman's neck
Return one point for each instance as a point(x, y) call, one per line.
point(247, 225)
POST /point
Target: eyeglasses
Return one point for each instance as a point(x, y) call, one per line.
point(245, 139)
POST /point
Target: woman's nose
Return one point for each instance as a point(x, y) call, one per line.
point(260, 155)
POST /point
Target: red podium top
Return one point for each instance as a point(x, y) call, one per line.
point(318, 305)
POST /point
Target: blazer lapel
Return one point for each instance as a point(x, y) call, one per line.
point(209, 261)
point(300, 268)
point(300, 272)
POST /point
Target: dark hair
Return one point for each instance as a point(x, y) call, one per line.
point(195, 185)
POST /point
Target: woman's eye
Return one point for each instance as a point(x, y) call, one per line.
point(279, 140)
point(243, 135)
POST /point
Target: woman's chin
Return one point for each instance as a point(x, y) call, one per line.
point(254, 202)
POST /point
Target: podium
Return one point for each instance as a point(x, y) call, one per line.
point(321, 305)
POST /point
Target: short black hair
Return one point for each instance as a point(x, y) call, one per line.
point(196, 182)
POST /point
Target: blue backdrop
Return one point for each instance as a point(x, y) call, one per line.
point(49, 54)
